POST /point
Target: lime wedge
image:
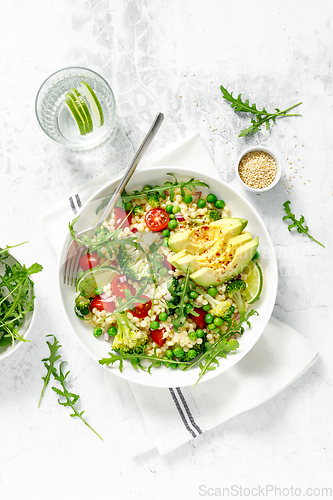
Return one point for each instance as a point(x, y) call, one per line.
point(253, 281)
point(71, 104)
point(93, 102)
point(98, 277)
point(84, 108)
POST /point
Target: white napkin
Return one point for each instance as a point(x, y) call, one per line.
point(167, 418)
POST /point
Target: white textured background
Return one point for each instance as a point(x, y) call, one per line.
point(276, 54)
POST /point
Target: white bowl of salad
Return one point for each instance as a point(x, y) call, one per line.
point(17, 300)
point(177, 285)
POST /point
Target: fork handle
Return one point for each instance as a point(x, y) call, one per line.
point(129, 172)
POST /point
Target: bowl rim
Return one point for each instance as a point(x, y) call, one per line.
point(132, 375)
point(17, 344)
point(269, 151)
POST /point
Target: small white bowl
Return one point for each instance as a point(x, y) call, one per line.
point(269, 152)
point(27, 322)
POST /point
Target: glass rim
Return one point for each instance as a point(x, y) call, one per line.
point(55, 73)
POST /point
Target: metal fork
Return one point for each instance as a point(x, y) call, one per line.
point(75, 251)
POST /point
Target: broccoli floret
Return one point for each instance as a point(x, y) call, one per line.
point(234, 290)
point(153, 199)
point(174, 288)
point(129, 339)
point(138, 210)
point(81, 306)
point(211, 216)
point(134, 264)
point(221, 308)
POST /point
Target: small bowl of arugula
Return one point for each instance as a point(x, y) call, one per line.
point(17, 301)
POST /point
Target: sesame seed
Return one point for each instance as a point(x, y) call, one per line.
point(257, 169)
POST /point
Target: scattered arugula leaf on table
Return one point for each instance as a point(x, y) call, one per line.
point(16, 297)
point(262, 117)
point(299, 224)
point(70, 398)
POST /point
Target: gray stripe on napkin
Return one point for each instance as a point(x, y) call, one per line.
point(190, 416)
point(181, 413)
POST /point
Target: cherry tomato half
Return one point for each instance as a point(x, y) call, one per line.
point(102, 302)
point(157, 219)
point(120, 216)
point(199, 320)
point(142, 310)
point(167, 264)
point(157, 336)
point(119, 285)
point(88, 261)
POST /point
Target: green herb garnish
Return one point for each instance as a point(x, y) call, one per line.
point(70, 399)
point(299, 224)
point(192, 185)
point(180, 313)
point(262, 117)
point(16, 297)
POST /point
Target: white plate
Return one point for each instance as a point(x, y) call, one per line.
point(27, 322)
point(162, 376)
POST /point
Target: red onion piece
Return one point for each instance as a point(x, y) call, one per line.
point(180, 217)
point(196, 196)
point(134, 230)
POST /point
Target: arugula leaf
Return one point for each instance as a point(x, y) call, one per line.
point(16, 297)
point(50, 365)
point(299, 224)
point(262, 117)
point(70, 398)
point(192, 185)
point(135, 359)
point(209, 359)
point(130, 301)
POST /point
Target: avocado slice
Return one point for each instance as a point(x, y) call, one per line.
point(174, 258)
point(219, 247)
point(185, 261)
point(199, 239)
point(208, 276)
point(220, 258)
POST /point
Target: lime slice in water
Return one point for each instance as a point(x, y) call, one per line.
point(84, 108)
point(95, 278)
point(75, 112)
point(93, 102)
point(253, 281)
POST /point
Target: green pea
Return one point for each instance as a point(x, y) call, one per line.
point(189, 308)
point(175, 210)
point(199, 333)
point(154, 325)
point(163, 271)
point(147, 187)
point(128, 206)
point(193, 294)
point(256, 256)
point(201, 203)
point(179, 352)
point(172, 224)
point(166, 242)
point(192, 336)
point(187, 198)
point(192, 354)
point(206, 307)
point(218, 321)
point(219, 204)
point(211, 326)
point(173, 365)
point(97, 331)
point(169, 353)
point(209, 318)
point(165, 233)
point(211, 198)
point(169, 208)
point(212, 290)
point(172, 216)
point(163, 316)
point(98, 290)
point(182, 286)
point(112, 331)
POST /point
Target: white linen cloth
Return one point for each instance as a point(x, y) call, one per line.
point(167, 418)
